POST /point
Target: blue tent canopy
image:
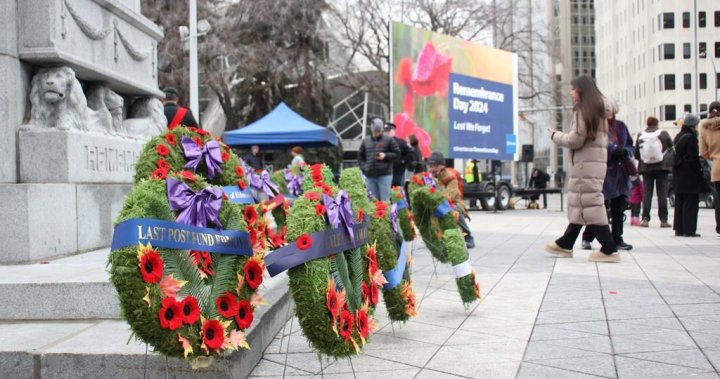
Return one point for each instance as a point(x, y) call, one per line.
point(281, 128)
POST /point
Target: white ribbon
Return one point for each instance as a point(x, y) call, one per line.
point(462, 269)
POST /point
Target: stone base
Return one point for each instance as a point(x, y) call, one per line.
point(65, 156)
point(57, 219)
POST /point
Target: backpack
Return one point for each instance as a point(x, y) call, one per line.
point(651, 149)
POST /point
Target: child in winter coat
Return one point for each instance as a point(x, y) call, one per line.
point(636, 199)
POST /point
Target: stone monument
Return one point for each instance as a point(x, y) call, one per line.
point(78, 99)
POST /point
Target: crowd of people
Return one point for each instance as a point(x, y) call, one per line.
point(604, 175)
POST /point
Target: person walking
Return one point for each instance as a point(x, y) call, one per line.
point(587, 141)
point(176, 115)
point(375, 158)
point(617, 186)
point(398, 172)
point(446, 178)
point(254, 160)
point(650, 148)
point(710, 149)
point(687, 178)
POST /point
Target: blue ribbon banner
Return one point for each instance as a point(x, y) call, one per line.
point(402, 204)
point(238, 196)
point(443, 209)
point(394, 276)
point(174, 235)
point(325, 243)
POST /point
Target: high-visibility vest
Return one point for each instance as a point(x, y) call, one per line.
point(469, 177)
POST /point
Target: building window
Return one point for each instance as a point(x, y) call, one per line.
point(667, 51)
point(703, 81)
point(717, 49)
point(687, 108)
point(686, 20)
point(703, 108)
point(667, 82)
point(667, 21)
point(686, 50)
point(717, 80)
point(687, 81)
point(702, 50)
point(668, 112)
point(717, 19)
point(701, 19)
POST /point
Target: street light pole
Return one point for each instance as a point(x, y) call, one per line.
point(697, 52)
point(194, 103)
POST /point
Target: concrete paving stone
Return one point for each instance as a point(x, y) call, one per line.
point(552, 332)
point(539, 350)
point(700, 323)
point(427, 373)
point(632, 344)
point(413, 356)
point(707, 339)
point(572, 295)
point(599, 344)
point(538, 371)
point(572, 305)
point(469, 362)
point(422, 333)
point(689, 358)
point(268, 368)
point(30, 337)
point(623, 312)
point(470, 337)
point(638, 368)
point(600, 365)
point(516, 331)
point(650, 325)
point(714, 356)
point(563, 317)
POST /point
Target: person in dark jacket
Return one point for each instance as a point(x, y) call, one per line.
point(176, 114)
point(375, 158)
point(654, 174)
point(399, 162)
point(416, 165)
point(254, 159)
point(687, 178)
point(539, 180)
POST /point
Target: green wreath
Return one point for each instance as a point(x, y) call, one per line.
point(334, 296)
point(185, 304)
point(441, 235)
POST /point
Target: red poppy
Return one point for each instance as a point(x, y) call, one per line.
point(363, 323)
point(162, 150)
point(403, 75)
point(151, 267)
point(171, 139)
point(408, 102)
point(346, 324)
point(432, 190)
point(227, 305)
point(361, 215)
point(314, 196)
point(432, 72)
point(253, 273)
point(190, 310)
point(202, 132)
point(160, 173)
point(278, 239)
point(327, 190)
point(380, 213)
point(372, 261)
point(161, 163)
point(304, 242)
point(417, 180)
point(316, 167)
point(320, 209)
point(239, 171)
point(193, 129)
point(331, 301)
point(225, 156)
point(187, 175)
point(370, 293)
point(316, 176)
point(405, 126)
point(244, 315)
point(171, 315)
point(251, 215)
point(213, 334)
point(198, 141)
point(399, 195)
point(241, 184)
point(381, 205)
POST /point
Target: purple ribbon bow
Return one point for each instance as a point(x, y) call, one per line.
point(428, 180)
point(294, 182)
point(394, 217)
point(339, 212)
point(263, 182)
point(194, 154)
point(195, 208)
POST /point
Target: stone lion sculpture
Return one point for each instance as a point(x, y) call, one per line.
point(108, 108)
point(57, 100)
point(146, 118)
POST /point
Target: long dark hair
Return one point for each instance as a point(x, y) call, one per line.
point(591, 103)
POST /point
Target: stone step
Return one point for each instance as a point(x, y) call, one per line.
point(72, 288)
point(105, 349)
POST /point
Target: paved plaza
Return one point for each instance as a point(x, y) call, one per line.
point(655, 314)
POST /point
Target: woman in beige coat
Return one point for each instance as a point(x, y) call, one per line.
point(710, 149)
point(587, 141)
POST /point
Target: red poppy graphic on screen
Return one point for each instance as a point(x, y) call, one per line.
point(432, 72)
point(405, 126)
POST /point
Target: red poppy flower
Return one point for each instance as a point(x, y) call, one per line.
point(346, 325)
point(405, 126)
point(361, 215)
point(399, 195)
point(432, 190)
point(161, 163)
point(171, 315)
point(202, 132)
point(278, 239)
point(193, 129)
point(171, 139)
point(162, 150)
point(241, 184)
point(239, 171)
point(372, 262)
point(251, 215)
point(227, 305)
point(187, 175)
point(381, 205)
point(320, 209)
point(160, 173)
point(331, 301)
point(213, 334)
point(432, 72)
point(316, 167)
point(327, 190)
point(198, 141)
point(417, 180)
point(151, 267)
point(380, 213)
point(314, 196)
point(316, 177)
point(403, 75)
point(225, 156)
point(253, 273)
point(369, 293)
point(190, 310)
point(304, 242)
point(363, 323)
point(244, 316)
